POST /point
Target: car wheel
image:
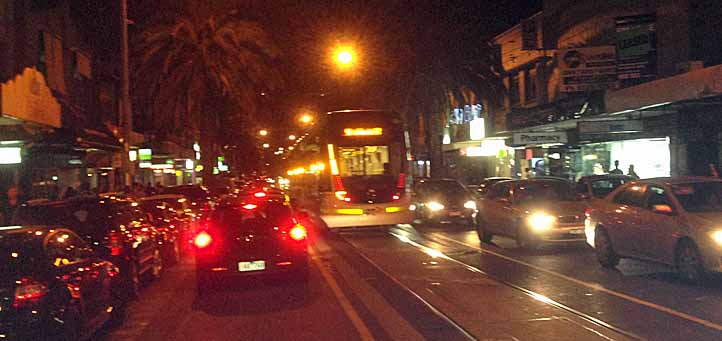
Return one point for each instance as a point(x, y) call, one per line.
point(484, 235)
point(526, 240)
point(688, 262)
point(157, 267)
point(604, 250)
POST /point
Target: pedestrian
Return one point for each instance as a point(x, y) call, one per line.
point(69, 192)
point(12, 201)
point(632, 173)
point(527, 173)
point(616, 169)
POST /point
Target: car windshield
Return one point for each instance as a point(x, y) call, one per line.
point(699, 196)
point(542, 191)
point(602, 187)
point(445, 188)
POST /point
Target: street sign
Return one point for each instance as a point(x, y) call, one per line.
point(522, 139)
point(603, 127)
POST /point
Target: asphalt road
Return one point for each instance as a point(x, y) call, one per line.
point(432, 282)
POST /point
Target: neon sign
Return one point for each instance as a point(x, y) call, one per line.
point(363, 131)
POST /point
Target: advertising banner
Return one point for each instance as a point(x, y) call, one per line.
point(636, 47)
point(587, 69)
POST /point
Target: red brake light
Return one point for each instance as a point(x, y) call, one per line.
point(116, 246)
point(202, 240)
point(588, 212)
point(396, 196)
point(260, 194)
point(298, 232)
point(338, 183)
point(401, 183)
point(249, 206)
point(28, 291)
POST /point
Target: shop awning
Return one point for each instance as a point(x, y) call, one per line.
point(80, 139)
point(694, 85)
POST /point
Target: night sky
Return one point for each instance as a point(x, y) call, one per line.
point(395, 40)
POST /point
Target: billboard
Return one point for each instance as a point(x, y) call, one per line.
point(636, 47)
point(587, 69)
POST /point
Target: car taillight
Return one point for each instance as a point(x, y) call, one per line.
point(401, 183)
point(202, 240)
point(396, 196)
point(298, 232)
point(249, 206)
point(260, 194)
point(588, 212)
point(115, 244)
point(28, 291)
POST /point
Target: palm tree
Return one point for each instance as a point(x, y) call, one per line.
point(194, 76)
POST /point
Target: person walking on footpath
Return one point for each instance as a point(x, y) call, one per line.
point(632, 173)
point(616, 169)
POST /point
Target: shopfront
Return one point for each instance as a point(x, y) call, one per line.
point(650, 157)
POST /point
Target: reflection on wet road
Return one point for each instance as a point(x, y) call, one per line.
point(637, 300)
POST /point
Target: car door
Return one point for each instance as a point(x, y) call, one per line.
point(496, 205)
point(624, 224)
point(659, 228)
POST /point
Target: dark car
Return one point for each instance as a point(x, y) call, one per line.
point(113, 227)
point(249, 239)
point(483, 187)
point(440, 200)
point(594, 187)
point(200, 197)
point(172, 217)
point(53, 285)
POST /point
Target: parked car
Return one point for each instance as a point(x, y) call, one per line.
point(532, 211)
point(674, 221)
point(595, 187)
point(115, 228)
point(483, 187)
point(172, 217)
point(53, 285)
point(201, 200)
point(246, 239)
point(443, 200)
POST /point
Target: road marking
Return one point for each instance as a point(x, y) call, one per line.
point(594, 286)
point(351, 313)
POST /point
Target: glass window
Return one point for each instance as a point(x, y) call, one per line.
point(499, 191)
point(601, 188)
point(632, 196)
point(540, 191)
point(365, 160)
point(65, 248)
point(529, 86)
point(514, 90)
point(657, 196)
point(699, 196)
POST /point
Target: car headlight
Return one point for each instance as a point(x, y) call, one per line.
point(434, 206)
point(470, 205)
point(717, 237)
point(540, 222)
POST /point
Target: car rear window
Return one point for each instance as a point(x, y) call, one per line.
point(266, 216)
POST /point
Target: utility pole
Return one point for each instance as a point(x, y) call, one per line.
point(126, 113)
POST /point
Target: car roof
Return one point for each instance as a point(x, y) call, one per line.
point(27, 229)
point(679, 180)
point(163, 197)
point(604, 176)
point(494, 178)
point(76, 200)
point(437, 180)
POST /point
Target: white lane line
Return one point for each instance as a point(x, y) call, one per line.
point(594, 286)
point(348, 309)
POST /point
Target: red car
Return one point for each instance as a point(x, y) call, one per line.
point(248, 239)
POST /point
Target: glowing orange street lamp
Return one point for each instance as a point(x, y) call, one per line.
point(306, 119)
point(344, 57)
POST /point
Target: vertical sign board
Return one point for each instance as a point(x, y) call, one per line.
point(587, 69)
point(636, 47)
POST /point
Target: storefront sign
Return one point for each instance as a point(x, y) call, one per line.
point(145, 154)
point(521, 139)
point(587, 69)
point(636, 46)
point(603, 127)
point(28, 98)
point(10, 155)
point(476, 129)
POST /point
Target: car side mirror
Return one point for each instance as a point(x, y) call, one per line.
point(663, 209)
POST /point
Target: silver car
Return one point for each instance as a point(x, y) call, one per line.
point(675, 221)
point(533, 212)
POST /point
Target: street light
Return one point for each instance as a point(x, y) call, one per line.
point(344, 57)
point(263, 132)
point(306, 119)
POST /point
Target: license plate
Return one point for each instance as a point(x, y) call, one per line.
point(251, 266)
point(454, 214)
point(577, 231)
